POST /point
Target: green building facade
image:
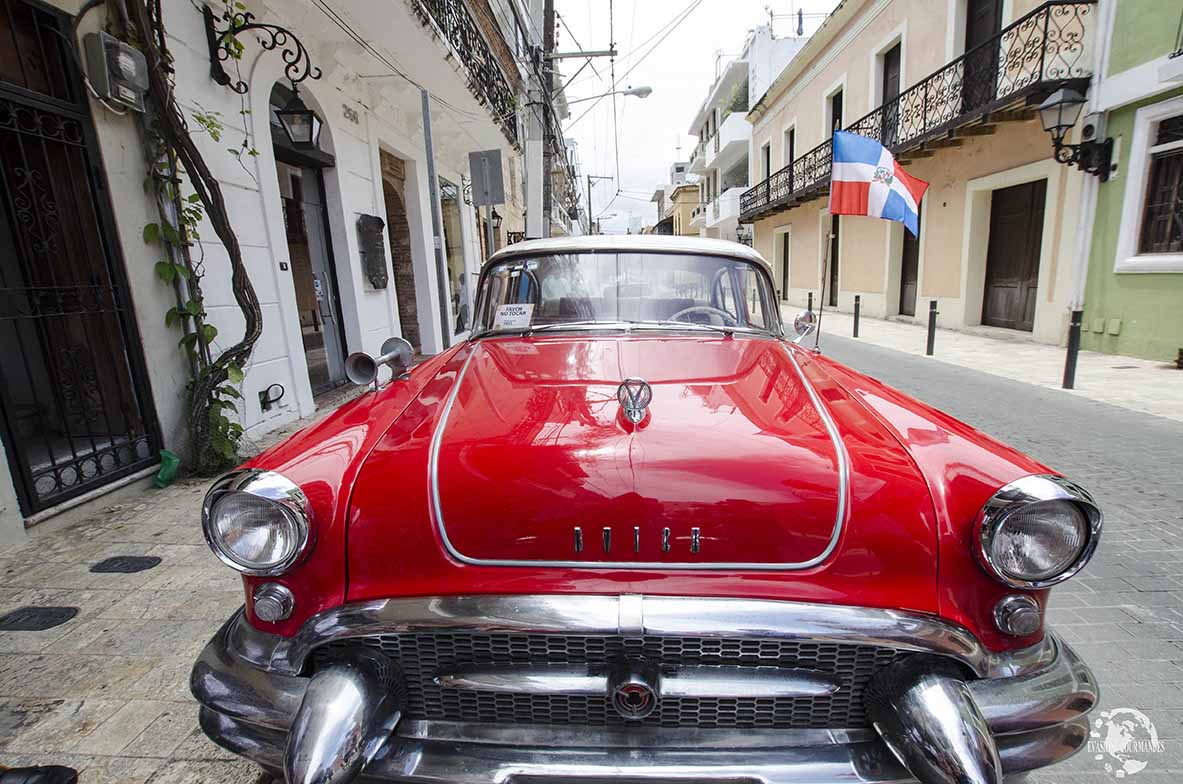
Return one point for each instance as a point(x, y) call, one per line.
point(1134, 290)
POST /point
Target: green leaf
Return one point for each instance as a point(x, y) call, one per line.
point(152, 233)
point(188, 340)
point(182, 271)
point(193, 307)
point(230, 391)
point(166, 271)
point(170, 234)
point(235, 374)
point(171, 317)
point(194, 198)
point(209, 332)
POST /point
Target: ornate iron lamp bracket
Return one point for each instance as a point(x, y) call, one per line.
point(1089, 157)
point(221, 41)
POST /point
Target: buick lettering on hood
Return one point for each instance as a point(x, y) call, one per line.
point(633, 528)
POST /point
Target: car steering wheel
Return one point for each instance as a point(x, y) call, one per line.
point(728, 319)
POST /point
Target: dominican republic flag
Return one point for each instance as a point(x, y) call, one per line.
point(866, 180)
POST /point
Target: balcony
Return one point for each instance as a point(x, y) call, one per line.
point(997, 81)
point(698, 159)
point(725, 208)
point(698, 216)
point(487, 82)
point(730, 142)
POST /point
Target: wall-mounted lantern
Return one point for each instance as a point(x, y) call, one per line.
point(1058, 114)
point(300, 123)
point(496, 220)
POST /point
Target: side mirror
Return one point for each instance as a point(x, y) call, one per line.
point(362, 369)
point(804, 324)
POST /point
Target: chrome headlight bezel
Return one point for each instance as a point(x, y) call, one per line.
point(289, 501)
point(1018, 494)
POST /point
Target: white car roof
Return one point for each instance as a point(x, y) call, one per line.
point(631, 243)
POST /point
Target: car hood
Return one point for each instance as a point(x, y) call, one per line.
point(532, 460)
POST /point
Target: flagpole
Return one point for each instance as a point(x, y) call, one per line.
point(821, 305)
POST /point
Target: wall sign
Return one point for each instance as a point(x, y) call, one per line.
point(372, 245)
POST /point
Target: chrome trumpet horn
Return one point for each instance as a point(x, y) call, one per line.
point(362, 369)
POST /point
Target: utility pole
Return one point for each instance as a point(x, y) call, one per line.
point(590, 223)
point(437, 231)
point(548, 119)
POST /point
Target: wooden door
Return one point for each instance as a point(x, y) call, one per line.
point(983, 21)
point(909, 273)
point(1012, 256)
point(784, 266)
point(890, 91)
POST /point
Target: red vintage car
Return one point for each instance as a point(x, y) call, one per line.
point(630, 531)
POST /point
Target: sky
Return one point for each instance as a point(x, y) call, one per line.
point(679, 63)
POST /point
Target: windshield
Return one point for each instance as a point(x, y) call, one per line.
point(658, 289)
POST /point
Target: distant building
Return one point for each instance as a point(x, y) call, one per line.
point(722, 158)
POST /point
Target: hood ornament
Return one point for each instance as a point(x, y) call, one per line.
point(634, 395)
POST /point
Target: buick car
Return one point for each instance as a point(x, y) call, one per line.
point(634, 527)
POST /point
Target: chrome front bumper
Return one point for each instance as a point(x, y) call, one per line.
point(1032, 704)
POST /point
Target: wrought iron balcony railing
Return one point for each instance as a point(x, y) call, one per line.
point(487, 82)
point(1044, 49)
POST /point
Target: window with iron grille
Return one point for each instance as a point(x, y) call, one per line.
point(1162, 212)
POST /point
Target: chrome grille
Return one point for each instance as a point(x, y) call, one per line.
point(423, 655)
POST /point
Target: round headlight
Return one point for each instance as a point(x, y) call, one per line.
point(256, 522)
point(1038, 531)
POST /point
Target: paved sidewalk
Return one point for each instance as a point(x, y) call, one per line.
point(107, 693)
point(1136, 384)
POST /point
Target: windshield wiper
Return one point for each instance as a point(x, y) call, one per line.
point(569, 324)
point(723, 330)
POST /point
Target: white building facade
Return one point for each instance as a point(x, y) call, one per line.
point(101, 383)
point(722, 159)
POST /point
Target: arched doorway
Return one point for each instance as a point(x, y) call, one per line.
point(310, 248)
point(393, 190)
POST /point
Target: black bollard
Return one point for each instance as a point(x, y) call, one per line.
point(1073, 348)
point(857, 306)
point(809, 307)
point(932, 326)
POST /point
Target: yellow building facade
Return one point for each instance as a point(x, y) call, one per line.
point(951, 87)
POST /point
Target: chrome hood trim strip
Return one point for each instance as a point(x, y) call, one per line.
point(842, 460)
point(635, 615)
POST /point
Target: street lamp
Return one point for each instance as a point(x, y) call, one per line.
point(643, 91)
point(300, 123)
point(1058, 114)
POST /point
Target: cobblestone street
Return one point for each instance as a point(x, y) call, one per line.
point(1124, 613)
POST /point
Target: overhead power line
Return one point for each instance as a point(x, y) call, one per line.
point(672, 27)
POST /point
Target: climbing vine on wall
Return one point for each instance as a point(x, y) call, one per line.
point(188, 195)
